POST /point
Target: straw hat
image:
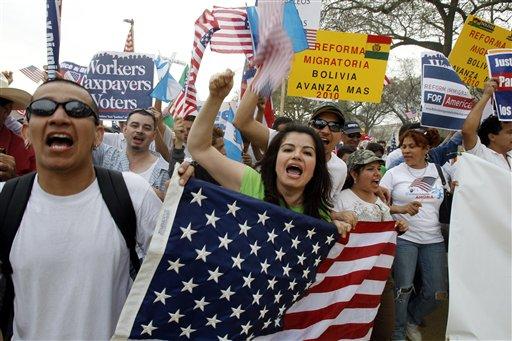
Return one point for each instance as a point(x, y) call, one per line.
point(20, 98)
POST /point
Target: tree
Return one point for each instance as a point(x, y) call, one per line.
point(297, 108)
point(432, 24)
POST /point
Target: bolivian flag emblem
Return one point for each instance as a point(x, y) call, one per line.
point(377, 47)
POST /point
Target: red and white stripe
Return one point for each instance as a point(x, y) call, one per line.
point(311, 37)
point(129, 45)
point(34, 73)
point(343, 301)
point(234, 35)
point(275, 52)
point(186, 103)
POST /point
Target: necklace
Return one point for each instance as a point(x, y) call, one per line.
point(415, 175)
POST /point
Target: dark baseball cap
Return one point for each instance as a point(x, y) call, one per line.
point(351, 127)
point(329, 108)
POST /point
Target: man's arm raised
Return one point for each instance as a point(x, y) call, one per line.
point(470, 126)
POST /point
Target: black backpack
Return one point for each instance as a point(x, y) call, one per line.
point(13, 201)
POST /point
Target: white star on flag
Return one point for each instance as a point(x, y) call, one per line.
point(262, 218)
point(212, 321)
point(244, 228)
point(211, 219)
point(214, 275)
point(200, 304)
point(237, 311)
point(271, 236)
point(187, 232)
point(188, 286)
point(187, 331)
point(198, 197)
point(227, 293)
point(202, 254)
point(288, 226)
point(176, 265)
point(148, 328)
point(232, 208)
point(247, 281)
point(161, 296)
point(175, 317)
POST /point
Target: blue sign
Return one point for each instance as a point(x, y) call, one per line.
point(445, 100)
point(500, 68)
point(120, 82)
point(52, 37)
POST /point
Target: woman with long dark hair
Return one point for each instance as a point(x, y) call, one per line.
point(293, 170)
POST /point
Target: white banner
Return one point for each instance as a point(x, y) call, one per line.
point(309, 12)
point(479, 256)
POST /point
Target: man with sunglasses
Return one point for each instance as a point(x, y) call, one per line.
point(70, 262)
point(351, 134)
point(139, 132)
point(15, 158)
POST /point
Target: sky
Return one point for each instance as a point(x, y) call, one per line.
point(90, 26)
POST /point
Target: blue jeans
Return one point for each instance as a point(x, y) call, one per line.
point(432, 261)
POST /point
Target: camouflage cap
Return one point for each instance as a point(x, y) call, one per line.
point(362, 157)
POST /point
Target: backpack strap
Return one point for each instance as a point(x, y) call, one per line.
point(13, 201)
point(440, 172)
point(117, 198)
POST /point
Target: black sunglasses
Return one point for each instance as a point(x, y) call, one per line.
point(319, 123)
point(73, 108)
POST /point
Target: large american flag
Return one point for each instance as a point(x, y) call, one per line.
point(275, 50)
point(234, 34)
point(34, 73)
point(222, 265)
point(205, 26)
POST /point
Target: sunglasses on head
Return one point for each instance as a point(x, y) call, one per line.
point(73, 108)
point(319, 123)
point(148, 111)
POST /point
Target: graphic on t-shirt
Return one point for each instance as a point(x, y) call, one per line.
point(423, 189)
point(425, 183)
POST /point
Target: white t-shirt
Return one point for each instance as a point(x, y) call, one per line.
point(147, 173)
point(490, 155)
point(337, 170)
point(393, 157)
point(424, 185)
point(365, 211)
point(71, 264)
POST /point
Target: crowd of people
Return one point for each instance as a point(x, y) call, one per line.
point(67, 257)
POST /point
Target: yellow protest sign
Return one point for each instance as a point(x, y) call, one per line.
point(468, 54)
point(348, 66)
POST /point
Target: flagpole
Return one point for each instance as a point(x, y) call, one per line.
point(283, 95)
point(130, 37)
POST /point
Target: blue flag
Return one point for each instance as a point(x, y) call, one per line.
point(232, 137)
point(167, 88)
point(52, 37)
point(292, 24)
point(222, 265)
